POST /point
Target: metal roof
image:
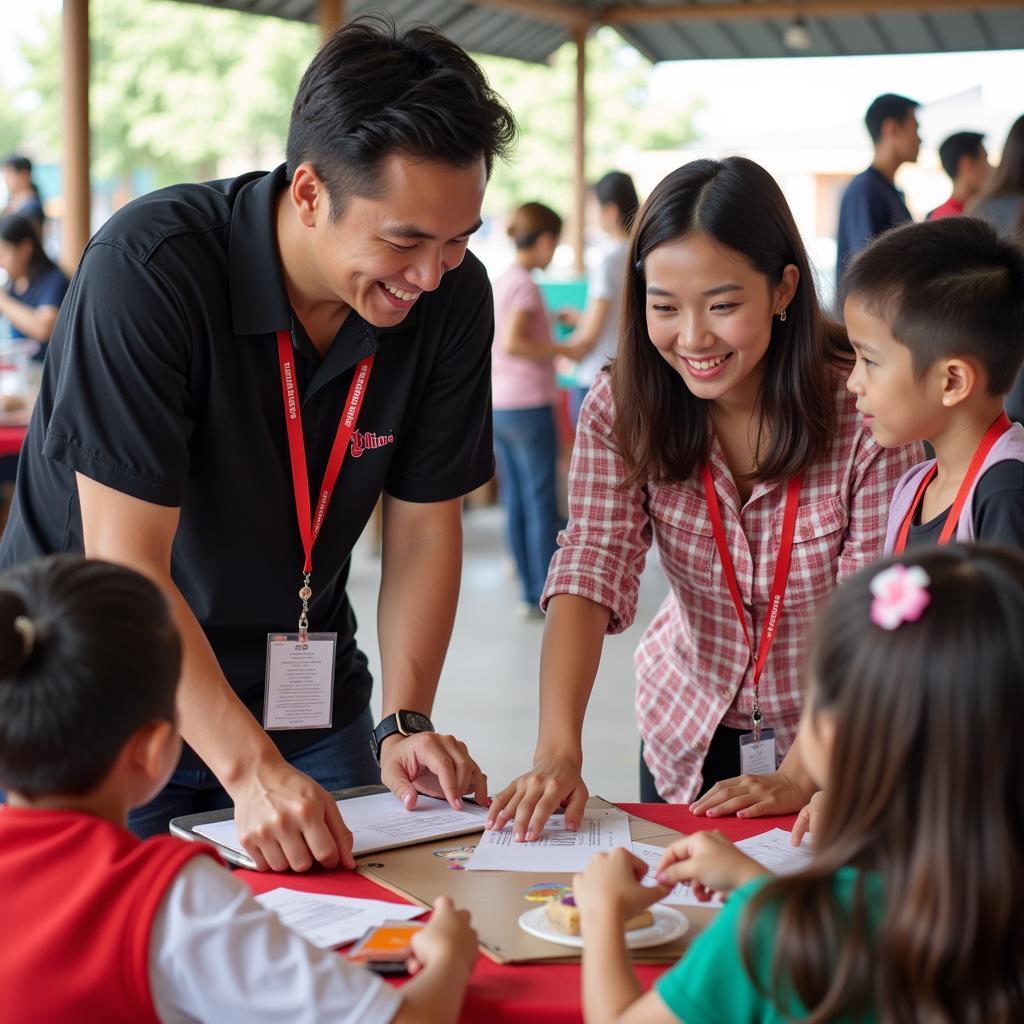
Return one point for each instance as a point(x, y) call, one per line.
point(532, 30)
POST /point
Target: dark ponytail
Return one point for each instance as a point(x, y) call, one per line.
point(88, 653)
point(17, 642)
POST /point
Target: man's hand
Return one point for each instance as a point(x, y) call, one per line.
point(285, 820)
point(533, 797)
point(432, 764)
point(709, 862)
point(752, 796)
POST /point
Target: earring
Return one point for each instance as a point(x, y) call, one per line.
point(782, 315)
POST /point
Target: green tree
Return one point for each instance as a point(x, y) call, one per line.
point(175, 87)
point(13, 123)
point(619, 114)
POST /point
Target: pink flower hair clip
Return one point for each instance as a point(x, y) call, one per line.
point(901, 595)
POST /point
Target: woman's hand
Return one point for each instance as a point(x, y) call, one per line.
point(709, 862)
point(752, 796)
point(531, 799)
point(809, 819)
point(611, 884)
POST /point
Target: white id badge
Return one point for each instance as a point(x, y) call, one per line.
point(757, 756)
point(300, 681)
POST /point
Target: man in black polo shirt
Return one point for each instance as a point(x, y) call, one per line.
point(871, 203)
point(213, 352)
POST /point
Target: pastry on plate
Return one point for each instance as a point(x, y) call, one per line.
point(564, 916)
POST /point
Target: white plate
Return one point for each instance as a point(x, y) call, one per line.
point(668, 926)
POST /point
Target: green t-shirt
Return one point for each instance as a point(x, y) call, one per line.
point(710, 985)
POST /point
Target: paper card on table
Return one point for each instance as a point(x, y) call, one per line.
point(771, 849)
point(329, 921)
point(557, 849)
point(380, 822)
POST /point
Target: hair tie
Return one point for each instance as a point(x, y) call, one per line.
point(900, 595)
point(27, 628)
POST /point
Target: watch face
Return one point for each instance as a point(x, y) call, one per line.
point(413, 721)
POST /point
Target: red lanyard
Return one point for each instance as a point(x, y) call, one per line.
point(779, 581)
point(994, 432)
point(309, 526)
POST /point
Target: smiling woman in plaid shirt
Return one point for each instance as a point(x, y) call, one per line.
point(728, 385)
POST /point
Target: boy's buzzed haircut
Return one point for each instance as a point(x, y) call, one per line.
point(947, 288)
point(884, 107)
point(956, 146)
point(373, 90)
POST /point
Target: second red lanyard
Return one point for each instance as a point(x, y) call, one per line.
point(779, 580)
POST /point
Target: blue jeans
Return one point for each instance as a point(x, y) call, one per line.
point(526, 446)
point(340, 760)
point(576, 396)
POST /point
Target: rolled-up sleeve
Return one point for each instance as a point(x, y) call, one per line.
point(602, 550)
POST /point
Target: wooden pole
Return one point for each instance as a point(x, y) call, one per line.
point(579, 178)
point(332, 16)
point(75, 122)
point(630, 14)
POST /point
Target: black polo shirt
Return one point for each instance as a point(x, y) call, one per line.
point(162, 382)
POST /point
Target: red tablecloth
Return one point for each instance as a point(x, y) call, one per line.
point(547, 993)
point(11, 440)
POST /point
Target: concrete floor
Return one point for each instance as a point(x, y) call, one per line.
point(488, 693)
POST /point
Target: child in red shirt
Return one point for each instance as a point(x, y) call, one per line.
point(103, 926)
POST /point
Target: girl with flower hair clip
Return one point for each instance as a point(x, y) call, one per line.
point(909, 909)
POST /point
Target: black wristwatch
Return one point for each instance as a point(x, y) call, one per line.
point(405, 722)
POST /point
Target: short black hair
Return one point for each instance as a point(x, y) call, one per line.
point(617, 187)
point(372, 91)
point(884, 107)
point(945, 288)
point(958, 145)
point(88, 654)
point(19, 163)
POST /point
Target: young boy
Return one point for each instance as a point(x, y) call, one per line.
point(935, 315)
point(965, 160)
point(102, 926)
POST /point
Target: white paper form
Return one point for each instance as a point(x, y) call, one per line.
point(329, 921)
point(380, 822)
point(557, 849)
point(771, 849)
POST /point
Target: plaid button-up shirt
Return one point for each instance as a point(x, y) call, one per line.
point(694, 668)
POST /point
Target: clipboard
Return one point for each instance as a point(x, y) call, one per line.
point(185, 827)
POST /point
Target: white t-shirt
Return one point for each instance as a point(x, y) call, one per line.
point(216, 955)
point(606, 281)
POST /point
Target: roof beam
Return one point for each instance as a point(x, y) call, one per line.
point(572, 18)
point(631, 14)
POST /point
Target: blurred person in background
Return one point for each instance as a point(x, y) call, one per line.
point(596, 329)
point(525, 391)
point(964, 158)
point(23, 195)
point(871, 203)
point(1001, 202)
point(35, 288)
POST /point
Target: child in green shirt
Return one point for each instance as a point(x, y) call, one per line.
point(908, 910)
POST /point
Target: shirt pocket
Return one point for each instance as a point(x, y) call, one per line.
point(686, 541)
point(817, 543)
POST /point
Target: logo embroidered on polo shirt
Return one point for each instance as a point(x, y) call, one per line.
point(364, 440)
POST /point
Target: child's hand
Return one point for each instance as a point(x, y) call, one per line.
point(809, 819)
point(447, 940)
point(611, 883)
point(709, 862)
